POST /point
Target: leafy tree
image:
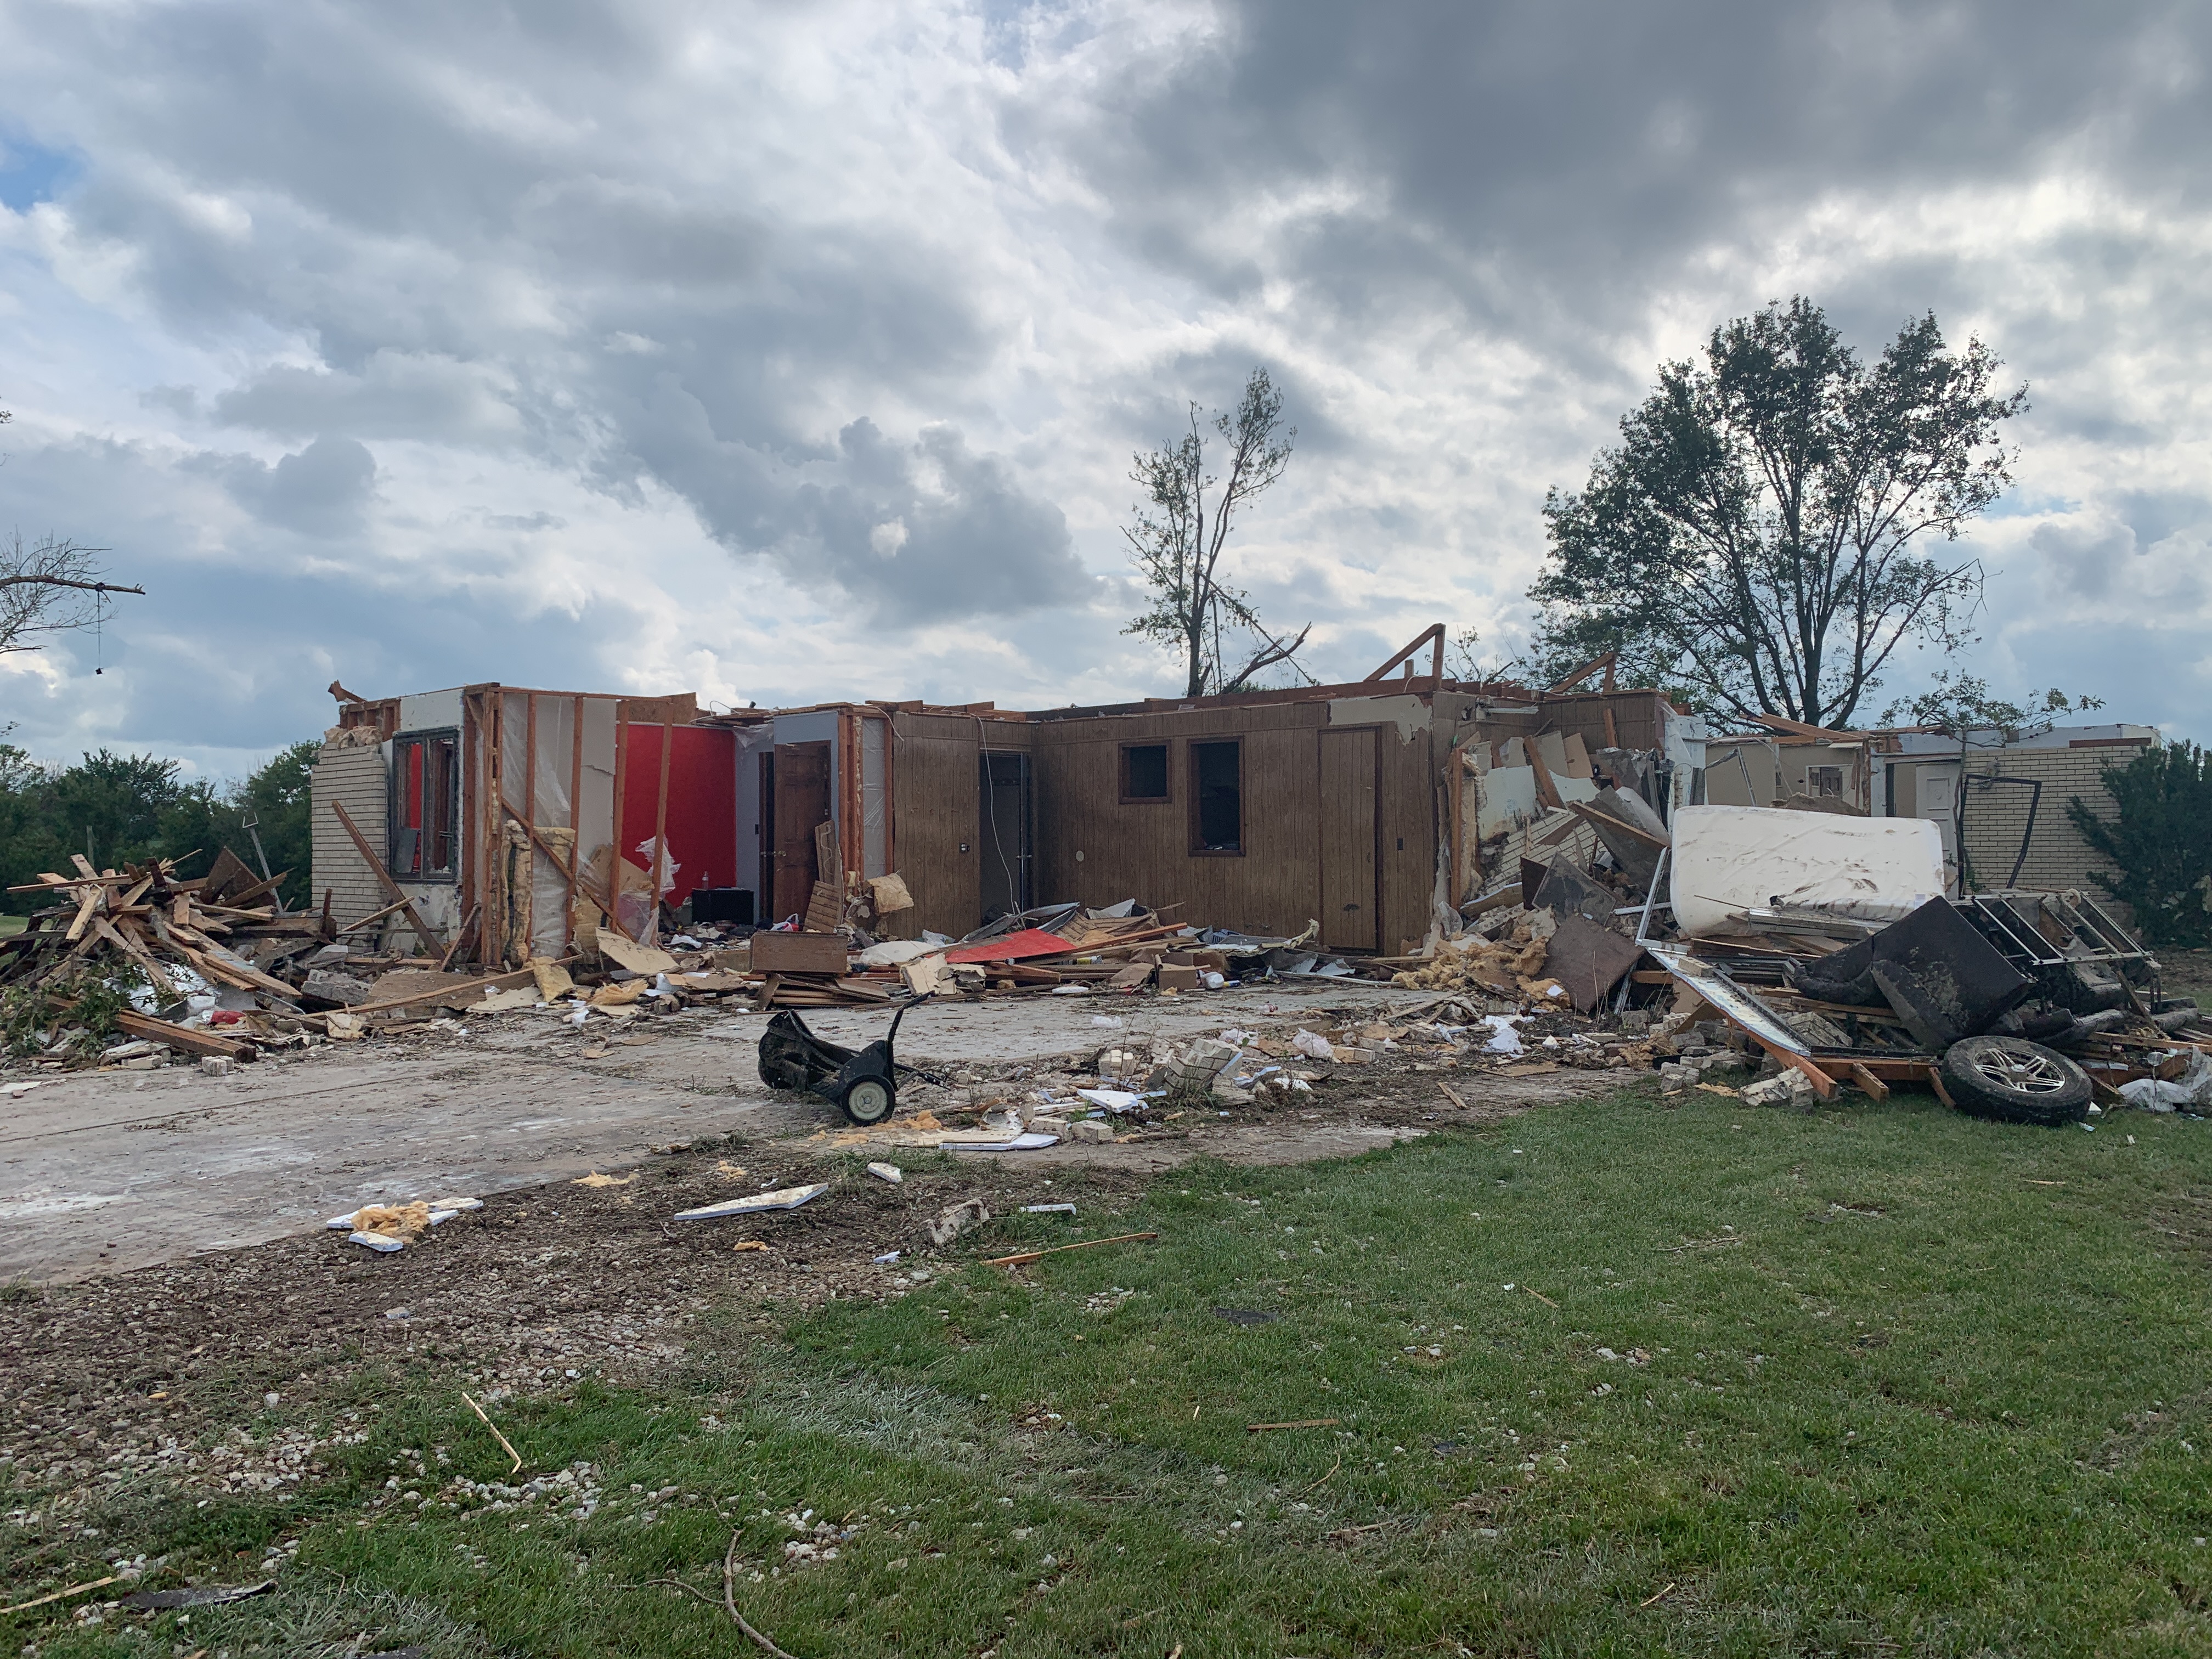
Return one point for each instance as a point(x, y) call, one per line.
point(280, 795)
point(116, 809)
point(2162, 842)
point(1177, 547)
point(1754, 535)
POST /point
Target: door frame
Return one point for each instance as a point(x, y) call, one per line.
point(1321, 735)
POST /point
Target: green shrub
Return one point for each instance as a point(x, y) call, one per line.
point(2161, 843)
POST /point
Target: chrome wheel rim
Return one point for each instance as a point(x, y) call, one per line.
point(2019, 1071)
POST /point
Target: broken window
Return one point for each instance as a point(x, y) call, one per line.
point(1824, 780)
point(425, 802)
point(1144, 772)
point(1216, 774)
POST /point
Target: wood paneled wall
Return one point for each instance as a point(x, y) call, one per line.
point(936, 807)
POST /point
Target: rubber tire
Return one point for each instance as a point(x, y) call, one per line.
point(869, 1101)
point(1979, 1095)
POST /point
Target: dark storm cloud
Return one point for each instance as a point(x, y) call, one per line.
point(884, 299)
point(1581, 141)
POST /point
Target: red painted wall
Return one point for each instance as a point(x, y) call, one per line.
point(703, 803)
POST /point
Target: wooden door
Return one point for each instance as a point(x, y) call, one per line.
point(802, 801)
point(1350, 905)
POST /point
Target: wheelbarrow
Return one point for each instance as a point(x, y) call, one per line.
point(863, 1084)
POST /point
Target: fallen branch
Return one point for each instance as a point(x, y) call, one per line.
point(1323, 1481)
point(729, 1599)
point(1028, 1256)
point(74, 1589)
point(1542, 1297)
point(1649, 1600)
point(505, 1443)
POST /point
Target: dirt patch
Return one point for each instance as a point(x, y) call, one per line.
point(162, 1370)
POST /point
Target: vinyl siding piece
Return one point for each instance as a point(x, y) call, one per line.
point(355, 777)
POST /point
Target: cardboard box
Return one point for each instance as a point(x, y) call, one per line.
point(798, 953)
point(1178, 978)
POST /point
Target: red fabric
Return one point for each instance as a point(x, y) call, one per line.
point(1030, 942)
point(703, 805)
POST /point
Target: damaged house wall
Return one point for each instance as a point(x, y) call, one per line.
point(1918, 776)
point(351, 771)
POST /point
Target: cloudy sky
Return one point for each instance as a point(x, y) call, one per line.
point(783, 353)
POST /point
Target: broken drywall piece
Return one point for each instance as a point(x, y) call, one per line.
point(787, 1198)
point(629, 953)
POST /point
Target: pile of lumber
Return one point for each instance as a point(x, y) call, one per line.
point(811, 970)
point(1120, 953)
point(224, 925)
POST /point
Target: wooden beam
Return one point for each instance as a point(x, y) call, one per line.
point(507, 981)
point(1583, 809)
point(1433, 634)
point(660, 831)
point(1867, 1081)
point(184, 1039)
point(575, 822)
point(621, 785)
point(431, 942)
point(1583, 673)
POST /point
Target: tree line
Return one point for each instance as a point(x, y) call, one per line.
point(116, 809)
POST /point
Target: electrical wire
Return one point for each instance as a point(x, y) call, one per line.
point(991, 812)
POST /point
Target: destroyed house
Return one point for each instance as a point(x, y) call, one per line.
point(1369, 809)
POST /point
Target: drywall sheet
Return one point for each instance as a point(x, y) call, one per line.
point(1508, 799)
point(1731, 859)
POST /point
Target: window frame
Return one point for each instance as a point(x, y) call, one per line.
point(1166, 796)
point(1815, 775)
point(1198, 849)
point(397, 796)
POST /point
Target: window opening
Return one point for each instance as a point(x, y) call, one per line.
point(1144, 772)
point(1824, 782)
point(1218, 797)
point(425, 802)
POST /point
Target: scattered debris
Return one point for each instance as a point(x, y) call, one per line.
point(787, 1198)
point(212, 1595)
point(1023, 1258)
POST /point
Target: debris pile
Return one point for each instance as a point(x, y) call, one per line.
point(159, 959)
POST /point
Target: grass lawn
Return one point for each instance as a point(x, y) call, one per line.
point(1887, 1381)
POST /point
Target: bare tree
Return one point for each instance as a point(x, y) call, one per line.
point(1757, 538)
point(50, 587)
point(41, 587)
point(1177, 540)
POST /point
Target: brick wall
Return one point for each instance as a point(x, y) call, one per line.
point(1996, 815)
point(358, 778)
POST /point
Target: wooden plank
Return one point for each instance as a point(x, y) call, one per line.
point(575, 825)
point(490, 982)
point(1867, 1081)
point(1583, 809)
point(652, 935)
point(82, 920)
point(185, 1040)
point(431, 942)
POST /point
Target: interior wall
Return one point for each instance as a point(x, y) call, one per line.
point(703, 795)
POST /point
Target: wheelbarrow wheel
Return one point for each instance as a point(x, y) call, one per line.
point(868, 1101)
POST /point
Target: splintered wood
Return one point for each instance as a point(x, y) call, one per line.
point(145, 916)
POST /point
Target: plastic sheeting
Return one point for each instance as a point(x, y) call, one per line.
point(1729, 860)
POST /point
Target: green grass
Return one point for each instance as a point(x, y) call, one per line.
point(1901, 1397)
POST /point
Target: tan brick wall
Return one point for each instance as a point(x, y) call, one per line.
point(1996, 817)
point(357, 777)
